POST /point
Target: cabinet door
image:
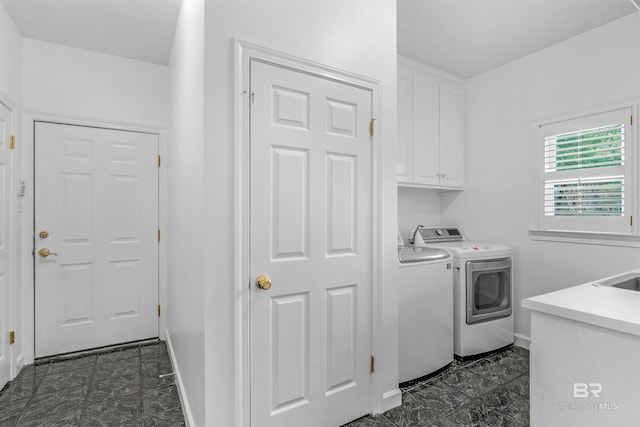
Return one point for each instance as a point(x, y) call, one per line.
point(425, 131)
point(404, 152)
point(451, 136)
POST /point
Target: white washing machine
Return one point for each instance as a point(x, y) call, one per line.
point(483, 289)
point(425, 289)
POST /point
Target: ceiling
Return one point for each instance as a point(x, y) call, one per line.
point(462, 37)
point(469, 37)
point(136, 29)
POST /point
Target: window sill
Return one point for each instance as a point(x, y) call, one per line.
point(586, 238)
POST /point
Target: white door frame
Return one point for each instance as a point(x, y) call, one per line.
point(243, 54)
point(14, 236)
point(28, 220)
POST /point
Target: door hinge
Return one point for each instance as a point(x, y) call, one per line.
point(372, 364)
point(631, 120)
point(159, 160)
point(158, 310)
point(12, 142)
point(12, 337)
point(372, 127)
point(630, 219)
point(158, 234)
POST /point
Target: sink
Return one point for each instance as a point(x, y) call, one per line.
point(629, 281)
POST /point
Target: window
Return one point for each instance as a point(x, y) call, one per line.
point(586, 178)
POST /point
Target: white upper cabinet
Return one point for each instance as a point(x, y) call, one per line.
point(430, 128)
point(404, 151)
point(451, 136)
point(426, 128)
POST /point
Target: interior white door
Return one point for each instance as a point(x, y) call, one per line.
point(96, 211)
point(311, 235)
point(5, 242)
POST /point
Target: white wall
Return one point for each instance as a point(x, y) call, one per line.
point(69, 81)
point(10, 58)
point(11, 92)
point(358, 36)
point(80, 86)
point(185, 240)
point(598, 67)
point(417, 206)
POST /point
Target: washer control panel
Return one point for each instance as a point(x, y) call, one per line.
point(441, 234)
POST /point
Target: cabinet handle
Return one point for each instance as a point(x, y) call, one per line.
point(442, 175)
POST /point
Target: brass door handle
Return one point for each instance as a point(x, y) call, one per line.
point(263, 282)
point(44, 252)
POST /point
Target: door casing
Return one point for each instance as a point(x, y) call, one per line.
point(26, 240)
point(14, 235)
point(244, 53)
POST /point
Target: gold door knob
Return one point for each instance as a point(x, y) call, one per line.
point(263, 282)
point(44, 252)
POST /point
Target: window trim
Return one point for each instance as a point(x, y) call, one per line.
point(630, 238)
point(584, 237)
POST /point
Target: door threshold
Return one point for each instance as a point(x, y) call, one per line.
point(96, 350)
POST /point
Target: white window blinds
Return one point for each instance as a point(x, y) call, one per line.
point(585, 197)
point(586, 173)
point(583, 149)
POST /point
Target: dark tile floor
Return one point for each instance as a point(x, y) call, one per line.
point(489, 392)
point(121, 387)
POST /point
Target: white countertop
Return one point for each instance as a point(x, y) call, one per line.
point(603, 306)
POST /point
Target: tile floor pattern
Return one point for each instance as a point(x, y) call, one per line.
point(116, 388)
point(489, 392)
point(122, 388)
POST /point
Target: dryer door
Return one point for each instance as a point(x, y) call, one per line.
point(488, 290)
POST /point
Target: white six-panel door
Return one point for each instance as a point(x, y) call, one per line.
point(5, 242)
point(96, 198)
point(311, 235)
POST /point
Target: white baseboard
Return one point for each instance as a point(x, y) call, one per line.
point(522, 341)
point(186, 409)
point(19, 365)
point(391, 399)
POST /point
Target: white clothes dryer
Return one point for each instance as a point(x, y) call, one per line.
point(483, 290)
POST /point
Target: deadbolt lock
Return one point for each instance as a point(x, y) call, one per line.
point(43, 234)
